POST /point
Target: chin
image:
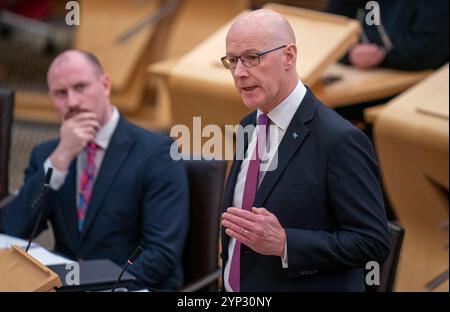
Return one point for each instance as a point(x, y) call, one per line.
point(252, 103)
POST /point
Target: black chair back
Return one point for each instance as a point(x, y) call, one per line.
point(388, 270)
point(201, 254)
point(6, 117)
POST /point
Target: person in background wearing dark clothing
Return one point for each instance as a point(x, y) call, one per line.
point(114, 185)
point(413, 34)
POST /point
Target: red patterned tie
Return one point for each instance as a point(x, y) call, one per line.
point(86, 184)
point(251, 185)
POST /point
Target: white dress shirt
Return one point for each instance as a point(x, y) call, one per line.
point(280, 118)
point(102, 139)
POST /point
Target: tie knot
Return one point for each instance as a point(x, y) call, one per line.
point(91, 148)
point(263, 120)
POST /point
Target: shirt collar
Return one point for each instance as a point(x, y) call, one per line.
point(105, 133)
point(283, 113)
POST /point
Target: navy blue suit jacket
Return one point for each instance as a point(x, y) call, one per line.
point(326, 194)
point(140, 197)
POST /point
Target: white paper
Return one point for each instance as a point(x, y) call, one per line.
point(7, 241)
point(46, 257)
point(36, 251)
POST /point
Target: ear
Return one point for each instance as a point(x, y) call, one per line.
point(291, 56)
point(106, 82)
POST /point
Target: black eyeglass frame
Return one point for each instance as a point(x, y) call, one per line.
point(258, 54)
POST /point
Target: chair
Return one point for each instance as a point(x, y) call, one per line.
point(201, 253)
point(6, 117)
point(389, 268)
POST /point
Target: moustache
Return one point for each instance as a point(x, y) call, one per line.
point(73, 112)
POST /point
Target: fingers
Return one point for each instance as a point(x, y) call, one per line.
point(242, 222)
point(240, 237)
point(85, 119)
point(248, 215)
point(235, 227)
point(262, 211)
point(239, 220)
point(86, 134)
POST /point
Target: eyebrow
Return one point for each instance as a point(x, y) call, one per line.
point(57, 90)
point(253, 50)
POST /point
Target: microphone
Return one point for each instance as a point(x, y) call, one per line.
point(130, 261)
point(41, 197)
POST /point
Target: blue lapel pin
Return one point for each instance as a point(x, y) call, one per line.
point(295, 135)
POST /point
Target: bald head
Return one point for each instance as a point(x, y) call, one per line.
point(271, 27)
point(69, 55)
point(77, 84)
point(261, 47)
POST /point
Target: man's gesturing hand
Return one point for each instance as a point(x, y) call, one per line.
point(258, 229)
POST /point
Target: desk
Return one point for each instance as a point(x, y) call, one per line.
point(358, 86)
point(411, 135)
point(198, 84)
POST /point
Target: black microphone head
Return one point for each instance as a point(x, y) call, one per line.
point(48, 176)
point(135, 254)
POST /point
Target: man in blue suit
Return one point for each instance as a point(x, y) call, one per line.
point(311, 215)
point(114, 185)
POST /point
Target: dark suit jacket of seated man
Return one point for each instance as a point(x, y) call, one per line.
point(317, 216)
point(140, 197)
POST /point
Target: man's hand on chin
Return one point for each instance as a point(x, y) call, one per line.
point(77, 130)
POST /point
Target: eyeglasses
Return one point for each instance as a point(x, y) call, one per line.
point(248, 60)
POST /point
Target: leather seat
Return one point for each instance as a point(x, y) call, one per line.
point(201, 253)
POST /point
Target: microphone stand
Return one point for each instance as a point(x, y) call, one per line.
point(130, 261)
point(41, 197)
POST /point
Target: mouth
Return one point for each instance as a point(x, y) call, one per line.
point(249, 89)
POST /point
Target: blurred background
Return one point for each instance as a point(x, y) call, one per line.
point(163, 59)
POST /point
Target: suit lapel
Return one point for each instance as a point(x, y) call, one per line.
point(295, 135)
point(113, 160)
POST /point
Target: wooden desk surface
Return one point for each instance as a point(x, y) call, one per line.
point(412, 140)
point(101, 24)
point(358, 86)
point(321, 39)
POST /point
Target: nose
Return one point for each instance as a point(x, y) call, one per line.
point(72, 99)
point(240, 71)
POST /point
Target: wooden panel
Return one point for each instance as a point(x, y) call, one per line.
point(413, 150)
point(356, 85)
point(196, 21)
point(101, 24)
point(321, 39)
point(21, 272)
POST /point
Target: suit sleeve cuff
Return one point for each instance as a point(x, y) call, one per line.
point(58, 177)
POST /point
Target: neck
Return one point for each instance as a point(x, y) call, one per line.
point(290, 86)
point(107, 116)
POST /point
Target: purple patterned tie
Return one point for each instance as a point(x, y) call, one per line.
point(251, 185)
point(86, 184)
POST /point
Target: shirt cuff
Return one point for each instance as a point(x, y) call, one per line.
point(284, 259)
point(58, 177)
